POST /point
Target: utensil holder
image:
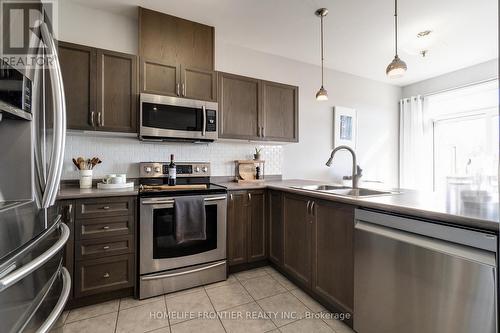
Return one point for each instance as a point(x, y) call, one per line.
point(85, 178)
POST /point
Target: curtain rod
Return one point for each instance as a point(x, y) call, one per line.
point(460, 87)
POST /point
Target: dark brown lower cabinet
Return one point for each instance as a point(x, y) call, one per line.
point(275, 222)
point(318, 246)
point(246, 227)
point(104, 274)
point(333, 253)
point(297, 237)
point(101, 252)
point(66, 208)
point(237, 225)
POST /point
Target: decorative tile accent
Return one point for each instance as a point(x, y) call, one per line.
point(122, 154)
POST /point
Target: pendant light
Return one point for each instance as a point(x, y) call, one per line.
point(322, 94)
point(397, 67)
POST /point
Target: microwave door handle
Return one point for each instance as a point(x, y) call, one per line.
point(59, 139)
point(204, 127)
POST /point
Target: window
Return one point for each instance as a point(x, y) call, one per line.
point(451, 137)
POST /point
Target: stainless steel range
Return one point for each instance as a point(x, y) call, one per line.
point(165, 264)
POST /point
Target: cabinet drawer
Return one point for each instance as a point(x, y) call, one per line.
point(104, 227)
point(104, 247)
point(96, 208)
point(104, 274)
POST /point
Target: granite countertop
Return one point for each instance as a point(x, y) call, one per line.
point(474, 213)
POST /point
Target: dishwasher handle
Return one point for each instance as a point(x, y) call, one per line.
point(449, 248)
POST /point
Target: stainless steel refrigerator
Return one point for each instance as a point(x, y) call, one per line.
point(34, 285)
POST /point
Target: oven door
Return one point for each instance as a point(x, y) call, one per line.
point(159, 250)
point(164, 117)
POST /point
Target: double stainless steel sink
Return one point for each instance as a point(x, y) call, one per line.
point(344, 191)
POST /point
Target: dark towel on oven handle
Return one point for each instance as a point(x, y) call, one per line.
point(190, 219)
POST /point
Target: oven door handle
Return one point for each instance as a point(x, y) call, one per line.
point(169, 275)
point(172, 201)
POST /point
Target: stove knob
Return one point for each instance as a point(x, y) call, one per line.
point(147, 169)
point(157, 169)
point(204, 169)
point(197, 169)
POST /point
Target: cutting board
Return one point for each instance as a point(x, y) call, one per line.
point(176, 187)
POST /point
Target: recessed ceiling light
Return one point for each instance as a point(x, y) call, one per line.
point(424, 33)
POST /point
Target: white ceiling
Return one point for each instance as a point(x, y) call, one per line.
point(358, 33)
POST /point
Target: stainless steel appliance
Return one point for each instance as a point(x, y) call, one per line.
point(164, 118)
point(420, 276)
point(15, 92)
point(165, 265)
point(34, 285)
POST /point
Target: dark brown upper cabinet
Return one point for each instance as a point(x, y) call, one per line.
point(252, 109)
point(177, 56)
point(100, 88)
point(239, 107)
point(116, 92)
point(78, 67)
point(280, 112)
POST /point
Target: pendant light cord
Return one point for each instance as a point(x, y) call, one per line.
point(322, 58)
point(396, 26)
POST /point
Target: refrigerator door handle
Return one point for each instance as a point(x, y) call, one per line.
point(59, 140)
point(59, 307)
point(36, 263)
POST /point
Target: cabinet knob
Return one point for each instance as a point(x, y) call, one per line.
point(250, 196)
point(106, 275)
point(231, 197)
point(105, 207)
point(106, 247)
point(106, 227)
point(178, 89)
point(92, 118)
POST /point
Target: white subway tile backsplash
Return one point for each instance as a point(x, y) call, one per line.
point(121, 155)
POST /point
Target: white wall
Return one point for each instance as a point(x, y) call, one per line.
point(376, 103)
point(477, 73)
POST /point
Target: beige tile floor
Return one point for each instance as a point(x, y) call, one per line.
point(259, 300)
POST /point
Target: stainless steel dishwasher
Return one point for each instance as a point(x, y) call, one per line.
point(418, 276)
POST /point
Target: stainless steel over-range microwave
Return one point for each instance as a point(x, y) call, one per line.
point(165, 118)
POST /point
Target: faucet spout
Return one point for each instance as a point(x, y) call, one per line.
point(355, 175)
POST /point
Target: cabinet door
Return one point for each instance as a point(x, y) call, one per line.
point(237, 226)
point(333, 258)
point(257, 231)
point(78, 67)
point(67, 210)
point(117, 92)
point(195, 44)
point(297, 238)
point(159, 78)
point(280, 112)
point(275, 221)
point(198, 84)
point(239, 107)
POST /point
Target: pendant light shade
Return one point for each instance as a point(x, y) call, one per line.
point(397, 68)
point(322, 94)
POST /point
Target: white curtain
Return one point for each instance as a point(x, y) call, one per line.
point(415, 148)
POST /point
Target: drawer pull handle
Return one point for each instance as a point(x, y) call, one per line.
point(105, 207)
point(106, 227)
point(106, 247)
point(106, 275)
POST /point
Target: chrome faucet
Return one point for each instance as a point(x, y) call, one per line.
point(356, 170)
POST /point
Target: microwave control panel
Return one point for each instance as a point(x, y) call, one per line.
point(211, 121)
